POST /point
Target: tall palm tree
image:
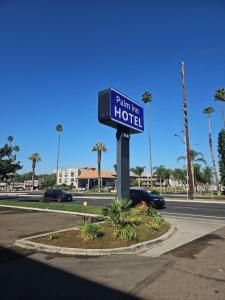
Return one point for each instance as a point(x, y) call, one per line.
point(35, 158)
point(138, 171)
point(220, 96)
point(147, 99)
point(195, 157)
point(209, 110)
point(187, 143)
point(59, 129)
point(10, 140)
point(99, 147)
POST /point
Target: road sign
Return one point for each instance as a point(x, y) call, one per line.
point(116, 109)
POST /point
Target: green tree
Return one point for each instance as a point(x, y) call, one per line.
point(179, 175)
point(161, 175)
point(59, 129)
point(220, 96)
point(138, 171)
point(23, 177)
point(195, 157)
point(100, 148)
point(209, 111)
point(8, 163)
point(221, 151)
point(207, 175)
point(10, 139)
point(147, 99)
point(35, 158)
point(49, 180)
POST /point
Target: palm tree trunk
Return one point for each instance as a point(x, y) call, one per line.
point(150, 147)
point(139, 181)
point(57, 162)
point(193, 176)
point(222, 112)
point(99, 170)
point(99, 176)
point(32, 188)
point(161, 185)
point(212, 155)
point(190, 178)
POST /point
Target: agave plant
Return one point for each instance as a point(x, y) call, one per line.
point(116, 209)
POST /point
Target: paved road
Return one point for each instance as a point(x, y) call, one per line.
point(207, 210)
point(177, 208)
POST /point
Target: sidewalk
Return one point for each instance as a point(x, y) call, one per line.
point(187, 231)
point(197, 272)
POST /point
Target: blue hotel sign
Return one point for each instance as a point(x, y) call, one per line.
point(115, 109)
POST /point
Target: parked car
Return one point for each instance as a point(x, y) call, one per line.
point(138, 195)
point(57, 195)
point(18, 189)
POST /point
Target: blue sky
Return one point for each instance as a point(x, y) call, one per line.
point(55, 56)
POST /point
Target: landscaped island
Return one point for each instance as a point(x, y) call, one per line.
point(123, 227)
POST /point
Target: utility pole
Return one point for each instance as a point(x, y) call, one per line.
point(190, 177)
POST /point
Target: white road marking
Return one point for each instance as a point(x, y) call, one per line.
point(189, 215)
point(188, 207)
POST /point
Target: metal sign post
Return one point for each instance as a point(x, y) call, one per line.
point(119, 111)
point(123, 164)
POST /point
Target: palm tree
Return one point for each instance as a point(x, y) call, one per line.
point(220, 96)
point(161, 173)
point(138, 171)
point(147, 99)
point(59, 129)
point(209, 111)
point(194, 158)
point(99, 147)
point(187, 143)
point(35, 158)
point(10, 140)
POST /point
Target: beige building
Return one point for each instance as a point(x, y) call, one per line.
point(84, 177)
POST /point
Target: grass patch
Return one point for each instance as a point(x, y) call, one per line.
point(63, 207)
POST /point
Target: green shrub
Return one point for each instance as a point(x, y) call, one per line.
point(53, 236)
point(141, 208)
point(116, 209)
point(127, 232)
point(157, 221)
point(153, 213)
point(131, 218)
point(89, 230)
point(155, 192)
point(154, 226)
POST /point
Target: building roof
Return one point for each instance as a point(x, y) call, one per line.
point(90, 174)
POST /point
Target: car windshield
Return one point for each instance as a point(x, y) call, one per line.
point(60, 191)
point(141, 192)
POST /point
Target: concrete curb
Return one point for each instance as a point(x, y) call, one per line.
point(53, 210)
point(133, 249)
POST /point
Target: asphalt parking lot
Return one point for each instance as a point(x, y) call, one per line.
point(193, 271)
point(18, 223)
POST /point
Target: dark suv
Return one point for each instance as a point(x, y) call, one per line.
point(57, 195)
point(155, 201)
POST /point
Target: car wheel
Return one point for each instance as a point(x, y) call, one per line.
point(59, 199)
point(152, 205)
